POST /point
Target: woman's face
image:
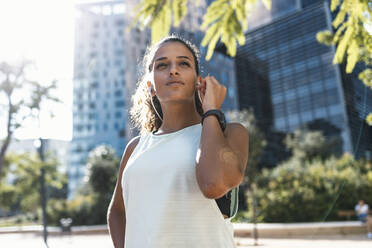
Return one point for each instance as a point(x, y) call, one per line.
point(174, 72)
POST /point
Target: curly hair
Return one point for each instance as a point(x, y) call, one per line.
point(142, 113)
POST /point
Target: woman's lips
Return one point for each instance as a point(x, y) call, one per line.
point(175, 82)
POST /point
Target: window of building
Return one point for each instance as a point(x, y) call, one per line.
point(316, 86)
point(290, 94)
point(293, 120)
point(303, 90)
point(305, 103)
point(320, 113)
point(299, 66)
point(332, 96)
point(280, 123)
point(291, 106)
point(279, 110)
point(330, 83)
point(118, 93)
point(319, 100)
point(120, 103)
point(337, 120)
point(306, 116)
point(313, 62)
point(92, 105)
point(335, 109)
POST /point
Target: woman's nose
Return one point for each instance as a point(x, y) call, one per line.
point(173, 69)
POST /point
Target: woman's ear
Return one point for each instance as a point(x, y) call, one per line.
point(199, 79)
point(149, 88)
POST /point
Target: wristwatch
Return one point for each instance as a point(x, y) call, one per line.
point(220, 116)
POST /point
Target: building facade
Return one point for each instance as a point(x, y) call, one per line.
point(99, 84)
point(288, 78)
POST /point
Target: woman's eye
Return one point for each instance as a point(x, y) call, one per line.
point(185, 63)
point(160, 65)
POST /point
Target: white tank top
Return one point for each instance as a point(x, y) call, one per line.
point(163, 203)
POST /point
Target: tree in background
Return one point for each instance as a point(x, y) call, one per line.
point(102, 169)
point(92, 201)
point(296, 191)
point(307, 145)
point(23, 99)
point(21, 192)
point(351, 37)
point(224, 19)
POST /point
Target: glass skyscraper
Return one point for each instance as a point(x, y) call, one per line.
point(289, 79)
point(98, 89)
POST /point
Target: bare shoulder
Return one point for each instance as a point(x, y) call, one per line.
point(236, 130)
point(237, 138)
point(129, 148)
point(133, 143)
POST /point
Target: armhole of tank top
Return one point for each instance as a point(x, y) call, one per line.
point(141, 140)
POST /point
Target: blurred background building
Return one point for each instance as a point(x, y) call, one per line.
point(288, 78)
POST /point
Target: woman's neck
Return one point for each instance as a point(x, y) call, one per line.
point(178, 116)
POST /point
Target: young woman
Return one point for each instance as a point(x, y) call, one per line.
point(183, 160)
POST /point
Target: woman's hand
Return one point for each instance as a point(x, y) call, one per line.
point(212, 93)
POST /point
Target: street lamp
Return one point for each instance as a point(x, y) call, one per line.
point(39, 144)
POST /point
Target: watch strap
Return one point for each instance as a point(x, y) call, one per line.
point(220, 117)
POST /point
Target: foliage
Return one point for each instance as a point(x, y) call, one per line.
point(308, 145)
point(14, 82)
point(298, 191)
point(351, 37)
point(83, 210)
point(102, 168)
point(90, 206)
point(224, 19)
point(23, 192)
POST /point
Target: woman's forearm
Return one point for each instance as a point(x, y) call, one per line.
point(116, 225)
point(218, 165)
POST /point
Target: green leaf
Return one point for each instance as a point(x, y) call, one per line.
point(179, 8)
point(232, 47)
point(241, 16)
point(161, 25)
point(334, 4)
point(369, 119)
point(366, 77)
point(339, 18)
point(241, 38)
point(212, 45)
point(339, 32)
point(324, 37)
point(209, 34)
point(341, 48)
point(352, 57)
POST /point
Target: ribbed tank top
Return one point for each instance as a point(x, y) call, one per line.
point(164, 206)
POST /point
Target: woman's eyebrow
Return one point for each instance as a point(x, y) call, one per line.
point(179, 57)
